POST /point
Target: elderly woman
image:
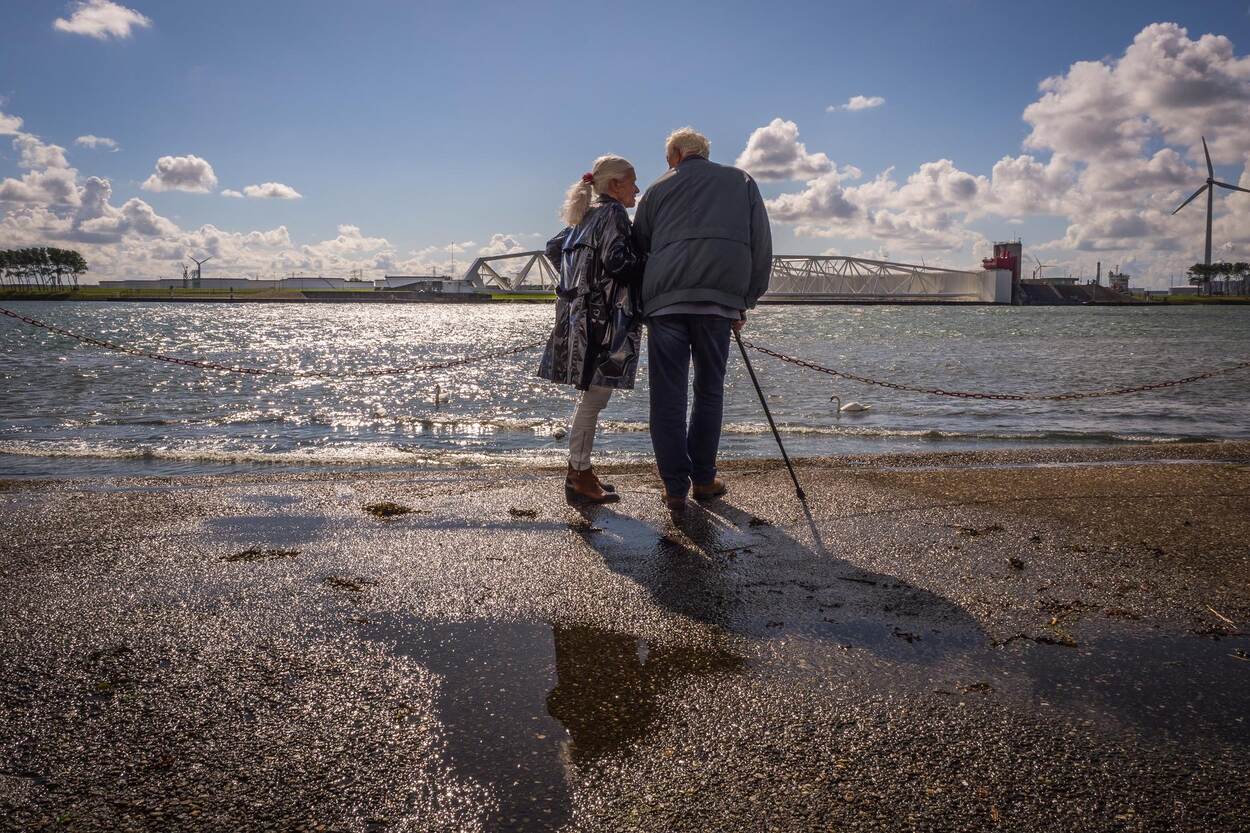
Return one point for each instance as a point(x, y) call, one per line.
point(595, 343)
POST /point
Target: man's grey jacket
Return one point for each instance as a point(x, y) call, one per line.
point(705, 233)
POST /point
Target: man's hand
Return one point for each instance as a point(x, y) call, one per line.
point(739, 324)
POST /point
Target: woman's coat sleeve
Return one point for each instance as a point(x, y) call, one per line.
point(621, 259)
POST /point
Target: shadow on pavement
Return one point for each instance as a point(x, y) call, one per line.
point(724, 567)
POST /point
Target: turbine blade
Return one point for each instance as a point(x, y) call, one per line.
point(1191, 199)
point(1233, 187)
point(1210, 170)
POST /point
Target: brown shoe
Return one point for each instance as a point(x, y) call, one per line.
point(584, 487)
point(607, 487)
point(709, 491)
point(674, 503)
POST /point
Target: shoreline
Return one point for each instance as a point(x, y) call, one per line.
point(1041, 455)
point(506, 466)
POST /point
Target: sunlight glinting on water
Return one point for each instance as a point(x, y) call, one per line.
point(66, 401)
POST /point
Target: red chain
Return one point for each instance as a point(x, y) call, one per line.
point(256, 371)
point(1004, 397)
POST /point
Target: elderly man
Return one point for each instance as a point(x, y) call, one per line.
point(709, 252)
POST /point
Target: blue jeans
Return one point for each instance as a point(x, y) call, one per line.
point(685, 453)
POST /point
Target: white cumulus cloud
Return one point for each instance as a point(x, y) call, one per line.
point(230, 192)
point(36, 154)
point(444, 260)
point(91, 141)
point(857, 102)
point(824, 199)
point(50, 180)
point(1165, 86)
point(1114, 145)
point(501, 244)
point(101, 19)
point(53, 206)
point(49, 187)
point(774, 152)
point(135, 216)
point(271, 191)
point(182, 173)
point(10, 124)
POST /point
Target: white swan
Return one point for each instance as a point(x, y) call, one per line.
point(850, 407)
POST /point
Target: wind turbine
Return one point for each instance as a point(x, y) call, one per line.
point(1040, 266)
point(199, 269)
point(1210, 189)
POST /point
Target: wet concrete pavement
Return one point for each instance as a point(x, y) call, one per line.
point(1051, 640)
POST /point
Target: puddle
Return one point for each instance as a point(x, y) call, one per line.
point(1119, 677)
point(528, 709)
point(905, 642)
point(1057, 464)
point(524, 704)
point(1178, 685)
point(712, 532)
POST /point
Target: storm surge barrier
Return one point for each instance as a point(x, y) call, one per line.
point(453, 362)
point(836, 279)
point(796, 279)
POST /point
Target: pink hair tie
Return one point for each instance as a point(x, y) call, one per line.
point(588, 177)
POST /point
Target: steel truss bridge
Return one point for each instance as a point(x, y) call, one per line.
point(519, 272)
point(795, 279)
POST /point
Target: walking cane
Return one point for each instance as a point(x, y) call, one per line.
point(798, 490)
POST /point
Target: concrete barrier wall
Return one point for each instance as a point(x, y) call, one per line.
point(998, 286)
point(992, 286)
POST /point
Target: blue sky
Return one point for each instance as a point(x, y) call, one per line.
point(431, 124)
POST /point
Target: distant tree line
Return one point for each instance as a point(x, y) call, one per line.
point(1202, 275)
point(41, 266)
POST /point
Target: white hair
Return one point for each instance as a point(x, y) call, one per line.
point(688, 142)
point(605, 169)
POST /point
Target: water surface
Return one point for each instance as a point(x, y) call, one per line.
point(69, 409)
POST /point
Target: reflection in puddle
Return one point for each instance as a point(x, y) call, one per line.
point(609, 685)
point(521, 702)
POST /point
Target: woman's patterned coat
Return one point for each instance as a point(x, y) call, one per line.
point(596, 339)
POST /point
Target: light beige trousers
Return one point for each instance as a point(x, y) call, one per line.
point(585, 421)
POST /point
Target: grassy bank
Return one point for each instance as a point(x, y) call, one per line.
point(1207, 299)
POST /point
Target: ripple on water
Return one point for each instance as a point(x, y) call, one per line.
point(59, 393)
